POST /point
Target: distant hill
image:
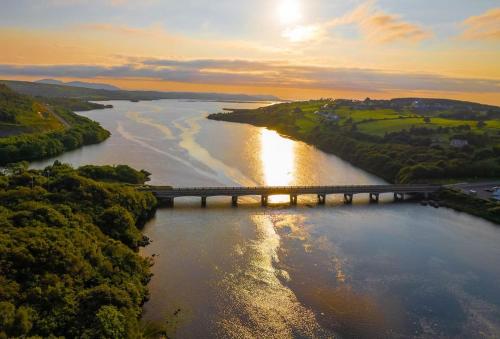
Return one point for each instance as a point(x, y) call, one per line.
point(50, 90)
point(50, 82)
point(79, 84)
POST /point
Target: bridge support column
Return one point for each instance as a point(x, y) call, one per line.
point(321, 199)
point(167, 202)
point(399, 196)
point(374, 197)
point(234, 201)
point(263, 200)
point(203, 201)
point(293, 200)
point(348, 199)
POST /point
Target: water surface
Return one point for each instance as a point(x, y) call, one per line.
point(387, 270)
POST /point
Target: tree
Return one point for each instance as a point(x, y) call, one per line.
point(110, 323)
point(119, 224)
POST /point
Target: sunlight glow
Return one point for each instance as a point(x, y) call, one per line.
point(300, 33)
point(278, 161)
point(289, 11)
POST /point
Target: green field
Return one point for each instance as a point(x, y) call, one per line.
point(380, 127)
point(362, 115)
point(307, 124)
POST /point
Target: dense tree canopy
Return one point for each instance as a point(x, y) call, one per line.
point(68, 254)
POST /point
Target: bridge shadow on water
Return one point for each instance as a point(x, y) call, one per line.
point(283, 203)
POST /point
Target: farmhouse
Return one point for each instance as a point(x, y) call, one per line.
point(327, 115)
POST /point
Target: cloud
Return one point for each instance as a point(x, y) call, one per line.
point(483, 27)
point(279, 74)
point(379, 26)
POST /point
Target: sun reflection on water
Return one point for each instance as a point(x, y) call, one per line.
point(278, 161)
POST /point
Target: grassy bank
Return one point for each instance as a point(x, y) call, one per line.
point(489, 210)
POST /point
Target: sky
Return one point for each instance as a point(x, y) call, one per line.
point(295, 49)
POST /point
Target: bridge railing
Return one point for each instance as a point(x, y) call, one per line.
point(200, 191)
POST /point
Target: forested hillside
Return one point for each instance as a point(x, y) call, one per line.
point(21, 114)
point(31, 129)
point(68, 252)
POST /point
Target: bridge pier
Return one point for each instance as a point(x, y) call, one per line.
point(263, 200)
point(348, 198)
point(234, 201)
point(293, 199)
point(167, 202)
point(374, 197)
point(203, 202)
point(321, 199)
point(399, 196)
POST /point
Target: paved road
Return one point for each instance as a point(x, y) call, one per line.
point(61, 119)
point(479, 187)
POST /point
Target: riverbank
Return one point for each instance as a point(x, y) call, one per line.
point(462, 202)
point(341, 131)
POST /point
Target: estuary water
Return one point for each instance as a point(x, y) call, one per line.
point(359, 271)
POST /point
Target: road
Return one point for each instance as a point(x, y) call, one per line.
point(479, 187)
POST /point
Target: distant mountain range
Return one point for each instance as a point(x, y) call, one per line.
point(50, 88)
point(78, 84)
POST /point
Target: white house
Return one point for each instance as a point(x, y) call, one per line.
point(327, 115)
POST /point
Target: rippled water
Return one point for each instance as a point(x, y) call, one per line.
point(387, 270)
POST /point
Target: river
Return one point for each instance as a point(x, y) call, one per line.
point(386, 270)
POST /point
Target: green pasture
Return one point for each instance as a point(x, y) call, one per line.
point(380, 127)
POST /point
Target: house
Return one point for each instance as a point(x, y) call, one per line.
point(328, 116)
point(459, 143)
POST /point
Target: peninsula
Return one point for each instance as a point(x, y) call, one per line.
point(411, 140)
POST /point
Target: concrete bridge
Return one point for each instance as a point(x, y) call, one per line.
point(167, 195)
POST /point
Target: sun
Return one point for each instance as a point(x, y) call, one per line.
point(289, 11)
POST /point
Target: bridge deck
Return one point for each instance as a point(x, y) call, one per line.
point(170, 192)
